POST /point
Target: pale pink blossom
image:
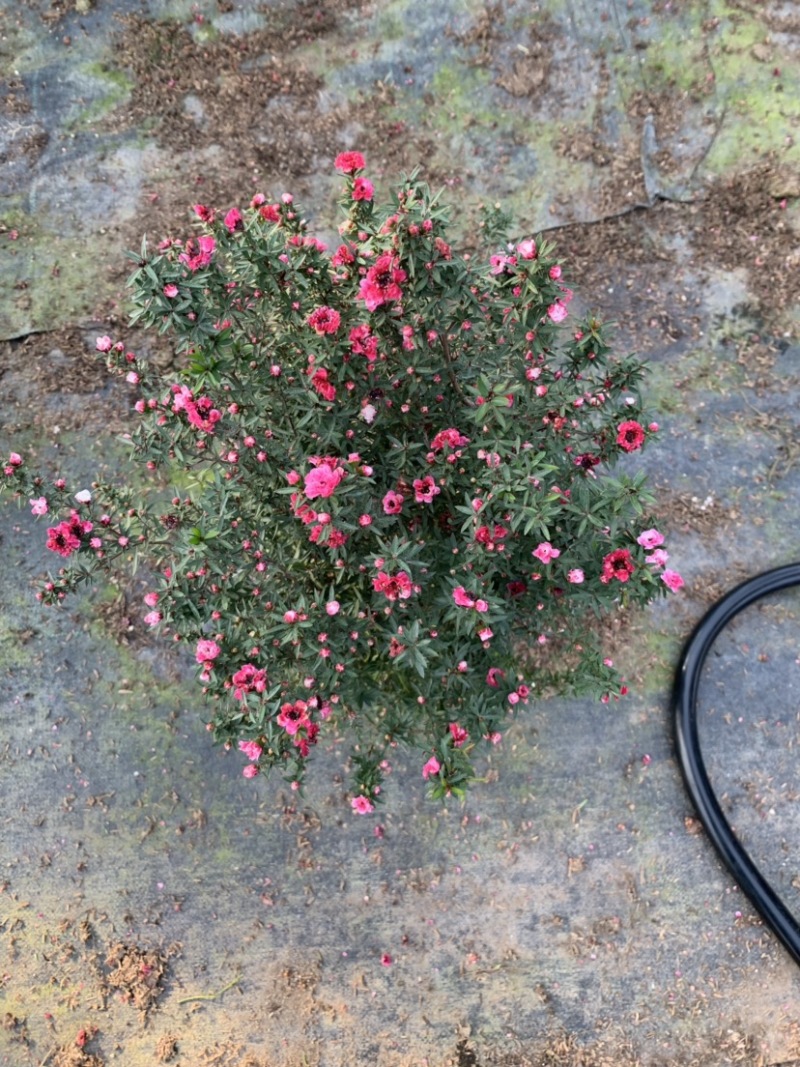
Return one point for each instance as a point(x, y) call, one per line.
point(657, 558)
point(672, 580)
point(575, 576)
point(206, 651)
point(362, 805)
point(39, 506)
point(650, 539)
point(332, 607)
point(527, 248)
point(432, 767)
point(153, 618)
point(557, 312)
point(322, 481)
point(251, 749)
point(250, 771)
point(462, 597)
point(545, 552)
point(103, 344)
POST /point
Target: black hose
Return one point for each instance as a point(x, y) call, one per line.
point(687, 683)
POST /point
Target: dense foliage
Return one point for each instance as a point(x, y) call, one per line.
point(393, 512)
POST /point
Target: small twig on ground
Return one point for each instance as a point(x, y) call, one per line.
point(212, 996)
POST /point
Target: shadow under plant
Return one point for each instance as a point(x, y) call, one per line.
point(158, 907)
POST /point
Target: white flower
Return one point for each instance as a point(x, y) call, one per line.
point(83, 497)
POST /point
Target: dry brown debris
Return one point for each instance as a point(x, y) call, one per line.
point(137, 973)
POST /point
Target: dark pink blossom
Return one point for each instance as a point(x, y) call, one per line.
point(630, 435)
point(198, 252)
point(324, 320)
point(617, 565)
point(393, 586)
point(393, 503)
point(234, 220)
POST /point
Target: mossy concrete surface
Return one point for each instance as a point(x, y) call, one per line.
point(571, 911)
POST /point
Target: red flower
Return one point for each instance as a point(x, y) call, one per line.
point(347, 162)
point(617, 564)
point(630, 435)
point(324, 320)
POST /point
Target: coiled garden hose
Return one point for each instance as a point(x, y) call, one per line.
point(687, 683)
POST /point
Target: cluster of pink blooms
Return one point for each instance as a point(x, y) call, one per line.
point(66, 538)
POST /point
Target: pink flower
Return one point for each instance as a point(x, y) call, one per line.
point(557, 312)
point(198, 252)
point(250, 771)
point(323, 385)
point(153, 618)
point(650, 539)
point(386, 960)
point(425, 489)
point(393, 586)
point(481, 605)
point(363, 189)
point(15, 459)
point(672, 580)
point(545, 552)
point(462, 597)
point(494, 675)
point(170, 290)
point(324, 320)
point(234, 221)
point(432, 767)
point(322, 481)
point(151, 599)
point(393, 503)
point(486, 634)
point(381, 284)
point(294, 717)
point(39, 506)
point(206, 651)
point(251, 749)
point(450, 438)
point(332, 607)
point(362, 805)
point(617, 564)
point(527, 249)
point(630, 435)
point(575, 576)
point(63, 539)
point(657, 558)
point(458, 733)
point(347, 162)
point(103, 344)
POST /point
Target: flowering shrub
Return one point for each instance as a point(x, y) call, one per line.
point(397, 517)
